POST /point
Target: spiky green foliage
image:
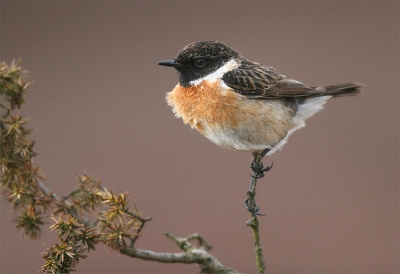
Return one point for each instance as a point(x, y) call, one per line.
point(118, 223)
point(75, 240)
point(113, 223)
point(110, 219)
point(19, 177)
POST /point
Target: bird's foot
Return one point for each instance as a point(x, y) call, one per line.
point(258, 169)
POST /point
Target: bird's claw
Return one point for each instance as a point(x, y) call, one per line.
point(258, 169)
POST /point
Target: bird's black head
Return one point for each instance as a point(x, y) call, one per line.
point(199, 59)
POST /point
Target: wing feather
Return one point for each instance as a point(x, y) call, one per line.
point(257, 81)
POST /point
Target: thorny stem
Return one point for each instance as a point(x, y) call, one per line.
point(253, 222)
point(143, 222)
point(83, 220)
point(64, 198)
point(138, 217)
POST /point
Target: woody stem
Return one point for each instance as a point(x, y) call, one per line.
point(253, 222)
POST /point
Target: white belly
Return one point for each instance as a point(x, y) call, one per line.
point(234, 121)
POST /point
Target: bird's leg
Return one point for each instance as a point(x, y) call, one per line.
point(258, 172)
point(257, 166)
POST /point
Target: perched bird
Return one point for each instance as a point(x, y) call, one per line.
point(241, 104)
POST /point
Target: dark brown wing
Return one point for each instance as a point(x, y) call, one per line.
point(257, 81)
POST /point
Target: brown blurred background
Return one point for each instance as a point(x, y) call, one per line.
point(97, 105)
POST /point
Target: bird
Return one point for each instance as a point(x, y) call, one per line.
point(241, 104)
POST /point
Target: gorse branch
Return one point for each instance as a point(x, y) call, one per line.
point(19, 177)
point(74, 241)
point(86, 216)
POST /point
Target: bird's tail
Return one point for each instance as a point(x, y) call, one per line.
point(345, 89)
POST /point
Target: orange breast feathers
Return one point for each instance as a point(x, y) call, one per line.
point(212, 105)
point(206, 102)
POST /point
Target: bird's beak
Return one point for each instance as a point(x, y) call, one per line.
point(170, 63)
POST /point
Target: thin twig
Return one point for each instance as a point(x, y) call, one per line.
point(253, 222)
point(65, 197)
point(140, 218)
point(142, 223)
point(83, 220)
point(203, 243)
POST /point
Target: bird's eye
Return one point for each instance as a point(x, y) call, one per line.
point(200, 63)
